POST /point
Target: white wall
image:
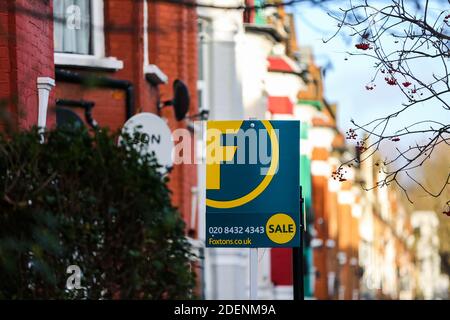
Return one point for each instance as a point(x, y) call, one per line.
point(225, 89)
point(254, 50)
point(225, 270)
point(284, 84)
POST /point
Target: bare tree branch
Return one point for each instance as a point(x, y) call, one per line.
point(401, 37)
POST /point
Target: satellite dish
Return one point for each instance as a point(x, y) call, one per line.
point(151, 135)
point(180, 101)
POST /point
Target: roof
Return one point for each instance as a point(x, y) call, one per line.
point(279, 64)
point(280, 105)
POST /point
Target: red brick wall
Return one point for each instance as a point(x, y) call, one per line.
point(5, 61)
point(109, 107)
point(124, 41)
point(319, 197)
point(172, 47)
point(332, 263)
point(26, 53)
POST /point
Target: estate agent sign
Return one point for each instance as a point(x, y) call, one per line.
point(252, 184)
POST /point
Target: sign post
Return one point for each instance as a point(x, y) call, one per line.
point(297, 258)
point(252, 187)
point(253, 260)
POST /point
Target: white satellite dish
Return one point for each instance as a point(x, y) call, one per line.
point(151, 134)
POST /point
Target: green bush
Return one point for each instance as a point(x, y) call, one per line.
point(80, 199)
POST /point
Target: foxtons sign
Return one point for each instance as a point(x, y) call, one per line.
point(252, 184)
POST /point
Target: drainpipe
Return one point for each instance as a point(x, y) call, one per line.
point(86, 105)
point(100, 82)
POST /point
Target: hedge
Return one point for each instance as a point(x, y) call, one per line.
point(80, 199)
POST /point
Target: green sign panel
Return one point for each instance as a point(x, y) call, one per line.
point(252, 184)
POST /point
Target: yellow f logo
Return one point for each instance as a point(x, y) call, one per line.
point(216, 153)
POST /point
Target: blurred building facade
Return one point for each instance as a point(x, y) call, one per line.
point(220, 34)
point(359, 244)
point(387, 255)
point(431, 283)
point(237, 65)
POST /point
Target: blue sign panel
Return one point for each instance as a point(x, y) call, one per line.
point(252, 184)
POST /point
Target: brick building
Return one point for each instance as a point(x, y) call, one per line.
point(26, 53)
point(349, 253)
point(119, 56)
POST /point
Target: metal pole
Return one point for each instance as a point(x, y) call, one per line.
point(253, 273)
point(297, 258)
point(253, 266)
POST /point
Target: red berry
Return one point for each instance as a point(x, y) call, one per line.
point(363, 46)
point(406, 84)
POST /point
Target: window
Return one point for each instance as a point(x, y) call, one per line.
point(79, 36)
point(73, 26)
point(204, 30)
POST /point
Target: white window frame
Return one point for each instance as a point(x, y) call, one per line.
point(97, 59)
point(203, 85)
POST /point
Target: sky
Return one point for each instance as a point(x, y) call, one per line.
point(347, 76)
point(345, 80)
